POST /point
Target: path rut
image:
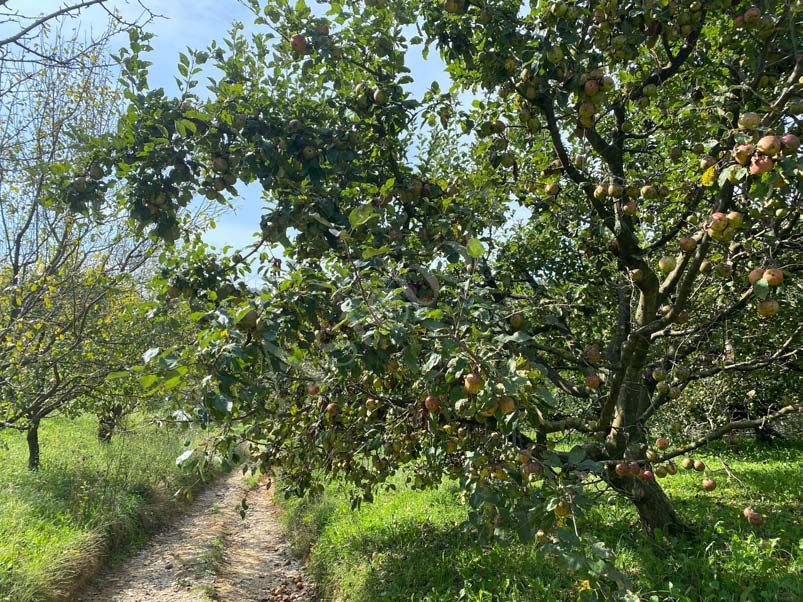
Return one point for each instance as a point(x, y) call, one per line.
point(211, 553)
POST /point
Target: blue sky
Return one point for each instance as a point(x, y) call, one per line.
point(195, 23)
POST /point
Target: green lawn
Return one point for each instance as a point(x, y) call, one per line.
point(408, 545)
point(88, 500)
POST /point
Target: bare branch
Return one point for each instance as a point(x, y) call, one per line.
point(49, 17)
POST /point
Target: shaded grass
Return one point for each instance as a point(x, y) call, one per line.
point(87, 502)
point(409, 545)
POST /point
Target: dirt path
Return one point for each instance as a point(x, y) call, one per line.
point(211, 553)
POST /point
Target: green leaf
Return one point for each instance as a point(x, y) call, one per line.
point(172, 383)
point(577, 454)
point(360, 215)
point(148, 380)
point(183, 126)
point(761, 288)
point(371, 252)
point(475, 248)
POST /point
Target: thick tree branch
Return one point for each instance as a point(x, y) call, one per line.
point(732, 426)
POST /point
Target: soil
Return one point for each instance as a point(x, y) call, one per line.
point(212, 553)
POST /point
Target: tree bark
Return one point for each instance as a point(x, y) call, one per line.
point(32, 436)
point(627, 440)
point(654, 508)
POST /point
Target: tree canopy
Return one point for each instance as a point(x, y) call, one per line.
point(600, 208)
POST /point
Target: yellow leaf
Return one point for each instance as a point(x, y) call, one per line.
point(710, 176)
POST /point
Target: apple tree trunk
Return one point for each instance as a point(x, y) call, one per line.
point(628, 437)
point(32, 437)
point(654, 507)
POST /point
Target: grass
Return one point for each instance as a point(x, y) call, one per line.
point(87, 502)
point(408, 545)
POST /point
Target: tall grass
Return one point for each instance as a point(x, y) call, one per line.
point(88, 501)
point(408, 545)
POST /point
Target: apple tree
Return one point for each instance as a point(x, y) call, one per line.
point(601, 206)
point(71, 288)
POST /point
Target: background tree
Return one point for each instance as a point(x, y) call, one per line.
point(653, 147)
point(63, 278)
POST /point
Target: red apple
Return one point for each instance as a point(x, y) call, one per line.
point(432, 404)
point(593, 381)
point(769, 145)
point(332, 409)
point(709, 484)
point(472, 383)
point(687, 244)
point(752, 15)
point(687, 463)
point(718, 222)
point(313, 389)
point(622, 469)
point(773, 276)
point(298, 43)
point(755, 519)
point(662, 443)
point(647, 475)
point(591, 87)
point(790, 143)
point(755, 275)
point(699, 465)
point(760, 165)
